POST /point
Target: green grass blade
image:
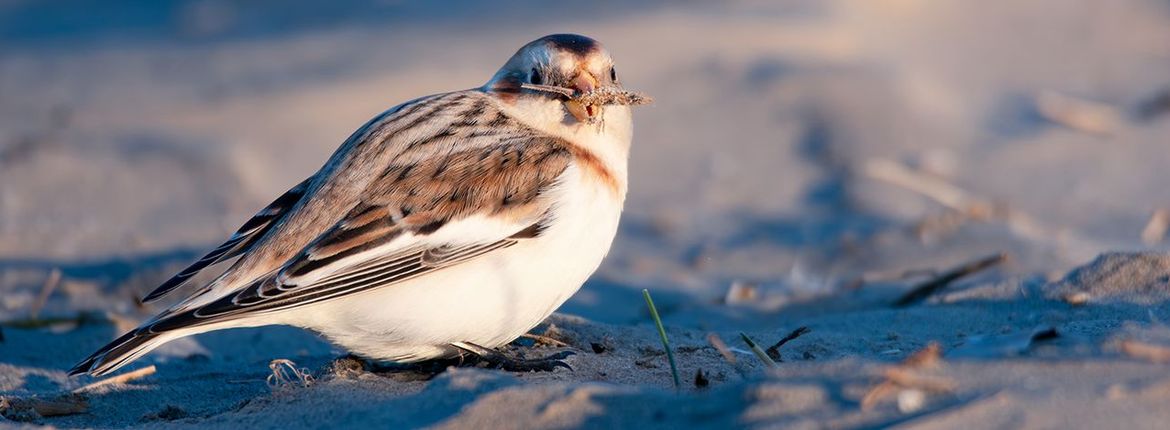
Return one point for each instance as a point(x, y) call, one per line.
point(662, 334)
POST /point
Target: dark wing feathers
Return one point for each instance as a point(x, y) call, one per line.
point(238, 243)
point(121, 351)
point(418, 197)
point(268, 295)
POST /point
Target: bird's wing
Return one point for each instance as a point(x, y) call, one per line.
point(240, 241)
point(421, 215)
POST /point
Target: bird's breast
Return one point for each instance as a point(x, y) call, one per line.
point(584, 220)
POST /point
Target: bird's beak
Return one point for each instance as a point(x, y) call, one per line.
point(584, 83)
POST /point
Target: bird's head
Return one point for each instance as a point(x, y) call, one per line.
point(557, 68)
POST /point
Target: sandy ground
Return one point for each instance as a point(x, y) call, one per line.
point(826, 155)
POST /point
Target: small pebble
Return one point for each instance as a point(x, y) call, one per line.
point(911, 400)
point(1079, 298)
point(701, 380)
point(741, 292)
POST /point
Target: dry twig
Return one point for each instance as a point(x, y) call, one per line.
point(1078, 114)
point(1146, 351)
point(965, 205)
point(774, 350)
point(545, 340)
point(925, 358)
point(613, 96)
point(567, 93)
point(923, 290)
point(31, 408)
point(930, 186)
point(599, 96)
point(721, 346)
point(46, 290)
point(119, 379)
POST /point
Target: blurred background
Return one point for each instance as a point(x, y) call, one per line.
point(797, 146)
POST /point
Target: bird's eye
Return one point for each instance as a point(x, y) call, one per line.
point(534, 77)
point(613, 74)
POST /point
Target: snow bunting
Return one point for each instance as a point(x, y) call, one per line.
point(449, 224)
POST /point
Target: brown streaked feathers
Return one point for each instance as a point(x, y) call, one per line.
point(471, 159)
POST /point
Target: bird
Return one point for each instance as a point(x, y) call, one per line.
point(448, 225)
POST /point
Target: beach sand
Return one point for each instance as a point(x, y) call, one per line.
point(805, 164)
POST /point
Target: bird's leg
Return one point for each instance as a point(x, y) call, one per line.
point(495, 359)
point(424, 370)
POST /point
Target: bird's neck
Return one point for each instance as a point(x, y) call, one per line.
point(607, 140)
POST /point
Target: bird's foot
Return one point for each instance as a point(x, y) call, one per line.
point(421, 371)
point(349, 363)
point(496, 360)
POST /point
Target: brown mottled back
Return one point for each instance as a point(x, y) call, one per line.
point(460, 146)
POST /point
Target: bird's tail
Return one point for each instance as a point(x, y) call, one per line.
point(121, 351)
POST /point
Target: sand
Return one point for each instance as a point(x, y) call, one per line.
point(822, 156)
